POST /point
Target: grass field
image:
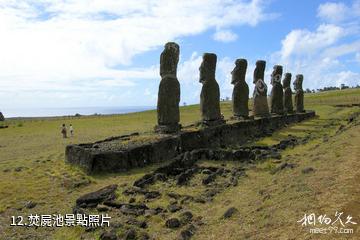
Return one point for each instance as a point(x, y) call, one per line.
point(32, 168)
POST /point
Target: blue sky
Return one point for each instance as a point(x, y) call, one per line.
point(73, 53)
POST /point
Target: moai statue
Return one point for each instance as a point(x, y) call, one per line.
point(240, 96)
point(210, 92)
point(276, 99)
point(299, 93)
point(2, 118)
point(260, 108)
point(288, 105)
point(168, 114)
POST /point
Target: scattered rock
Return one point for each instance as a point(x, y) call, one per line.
point(133, 209)
point(30, 204)
point(102, 208)
point(145, 180)
point(230, 212)
point(209, 179)
point(184, 177)
point(211, 192)
point(185, 217)
point(150, 212)
point(106, 193)
point(187, 233)
point(174, 195)
point(111, 235)
point(199, 199)
point(152, 195)
point(114, 204)
point(308, 170)
point(206, 171)
point(284, 166)
point(116, 224)
point(18, 169)
point(135, 222)
point(234, 181)
point(174, 208)
point(172, 223)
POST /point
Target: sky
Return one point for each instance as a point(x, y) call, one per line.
point(82, 53)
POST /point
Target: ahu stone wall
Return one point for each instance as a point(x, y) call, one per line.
point(99, 157)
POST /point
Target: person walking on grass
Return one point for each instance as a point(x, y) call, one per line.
point(64, 131)
point(71, 130)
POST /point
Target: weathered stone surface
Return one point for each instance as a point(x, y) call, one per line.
point(230, 212)
point(276, 99)
point(94, 159)
point(260, 108)
point(108, 235)
point(169, 90)
point(187, 233)
point(240, 95)
point(174, 208)
point(299, 93)
point(94, 198)
point(30, 204)
point(185, 217)
point(2, 118)
point(210, 92)
point(172, 223)
point(288, 104)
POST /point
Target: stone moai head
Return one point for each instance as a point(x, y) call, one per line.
point(287, 80)
point(298, 82)
point(208, 67)
point(169, 59)
point(276, 74)
point(239, 72)
point(259, 70)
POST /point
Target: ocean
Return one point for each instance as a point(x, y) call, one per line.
point(53, 112)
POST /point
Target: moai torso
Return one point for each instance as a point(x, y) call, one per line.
point(2, 118)
point(260, 108)
point(288, 105)
point(240, 96)
point(299, 93)
point(169, 89)
point(210, 92)
point(276, 99)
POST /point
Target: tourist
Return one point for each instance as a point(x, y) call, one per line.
point(71, 130)
point(63, 130)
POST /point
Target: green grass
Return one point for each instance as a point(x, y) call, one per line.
point(36, 146)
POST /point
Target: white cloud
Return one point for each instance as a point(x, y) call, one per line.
point(303, 41)
point(316, 55)
point(82, 45)
point(225, 36)
point(333, 12)
point(343, 49)
point(336, 12)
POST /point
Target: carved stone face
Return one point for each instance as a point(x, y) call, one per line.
point(287, 79)
point(169, 59)
point(238, 73)
point(259, 70)
point(208, 67)
point(298, 82)
point(276, 74)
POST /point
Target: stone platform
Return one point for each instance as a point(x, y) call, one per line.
point(119, 154)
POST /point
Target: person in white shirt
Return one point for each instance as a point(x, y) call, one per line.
point(71, 130)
